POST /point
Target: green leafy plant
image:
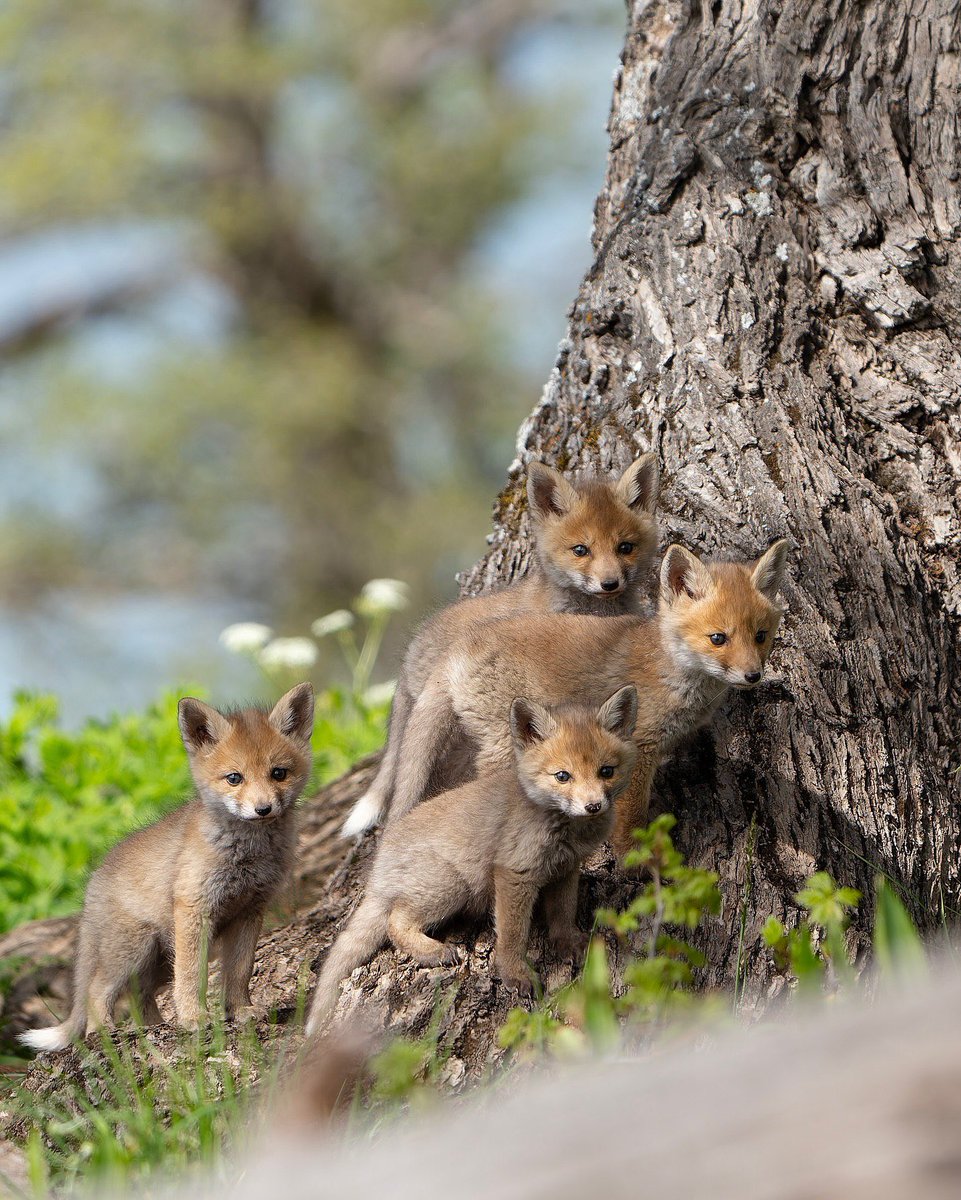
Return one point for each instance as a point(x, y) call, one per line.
point(898, 949)
point(590, 1012)
point(817, 942)
point(65, 797)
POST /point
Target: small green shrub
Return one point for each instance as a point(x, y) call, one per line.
point(590, 1012)
point(817, 942)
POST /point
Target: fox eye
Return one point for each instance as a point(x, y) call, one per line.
point(233, 778)
point(718, 639)
point(625, 547)
point(760, 636)
point(562, 776)
point(279, 773)
point(606, 772)
point(580, 550)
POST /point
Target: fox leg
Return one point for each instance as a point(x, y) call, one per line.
point(189, 931)
point(560, 909)
point(429, 726)
point(238, 945)
point(155, 973)
point(630, 808)
point(514, 899)
point(404, 930)
point(101, 1001)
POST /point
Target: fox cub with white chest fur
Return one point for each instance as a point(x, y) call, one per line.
point(498, 841)
point(208, 869)
point(594, 546)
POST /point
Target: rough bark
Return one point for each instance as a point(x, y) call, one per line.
point(773, 307)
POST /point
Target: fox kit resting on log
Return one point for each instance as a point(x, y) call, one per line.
point(502, 839)
point(714, 628)
point(207, 869)
point(594, 545)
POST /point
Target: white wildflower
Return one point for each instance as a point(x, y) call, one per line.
point(247, 637)
point(380, 693)
point(336, 622)
point(383, 596)
point(294, 653)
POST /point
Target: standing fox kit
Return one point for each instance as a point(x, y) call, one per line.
point(594, 544)
point(501, 839)
point(208, 869)
point(714, 628)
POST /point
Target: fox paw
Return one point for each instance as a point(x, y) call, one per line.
point(571, 947)
point(444, 956)
point(243, 1014)
point(518, 980)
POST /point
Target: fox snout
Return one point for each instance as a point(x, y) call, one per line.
point(593, 805)
point(607, 578)
point(259, 808)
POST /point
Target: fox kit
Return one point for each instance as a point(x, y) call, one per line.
point(713, 630)
point(209, 867)
point(498, 840)
point(594, 545)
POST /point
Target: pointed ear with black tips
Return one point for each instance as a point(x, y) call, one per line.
point(548, 493)
point(201, 726)
point(683, 574)
point(293, 714)
point(640, 485)
point(768, 573)
point(618, 713)
point(530, 722)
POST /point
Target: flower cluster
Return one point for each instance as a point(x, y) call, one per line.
point(378, 601)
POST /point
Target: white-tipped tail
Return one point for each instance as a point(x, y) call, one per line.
point(54, 1037)
point(365, 814)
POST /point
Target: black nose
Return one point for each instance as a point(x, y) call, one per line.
point(594, 807)
point(752, 676)
point(263, 809)
point(610, 585)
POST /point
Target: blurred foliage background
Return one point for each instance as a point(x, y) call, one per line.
point(278, 281)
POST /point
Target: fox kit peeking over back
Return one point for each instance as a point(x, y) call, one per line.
point(594, 546)
point(208, 869)
point(714, 629)
point(498, 840)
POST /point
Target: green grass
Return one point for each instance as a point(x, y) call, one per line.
point(134, 1112)
point(67, 796)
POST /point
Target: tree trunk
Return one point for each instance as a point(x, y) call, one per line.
point(773, 308)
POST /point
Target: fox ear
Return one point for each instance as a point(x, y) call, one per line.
point(530, 722)
point(200, 725)
point(293, 714)
point(768, 573)
point(548, 493)
point(640, 485)
point(618, 713)
point(683, 573)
